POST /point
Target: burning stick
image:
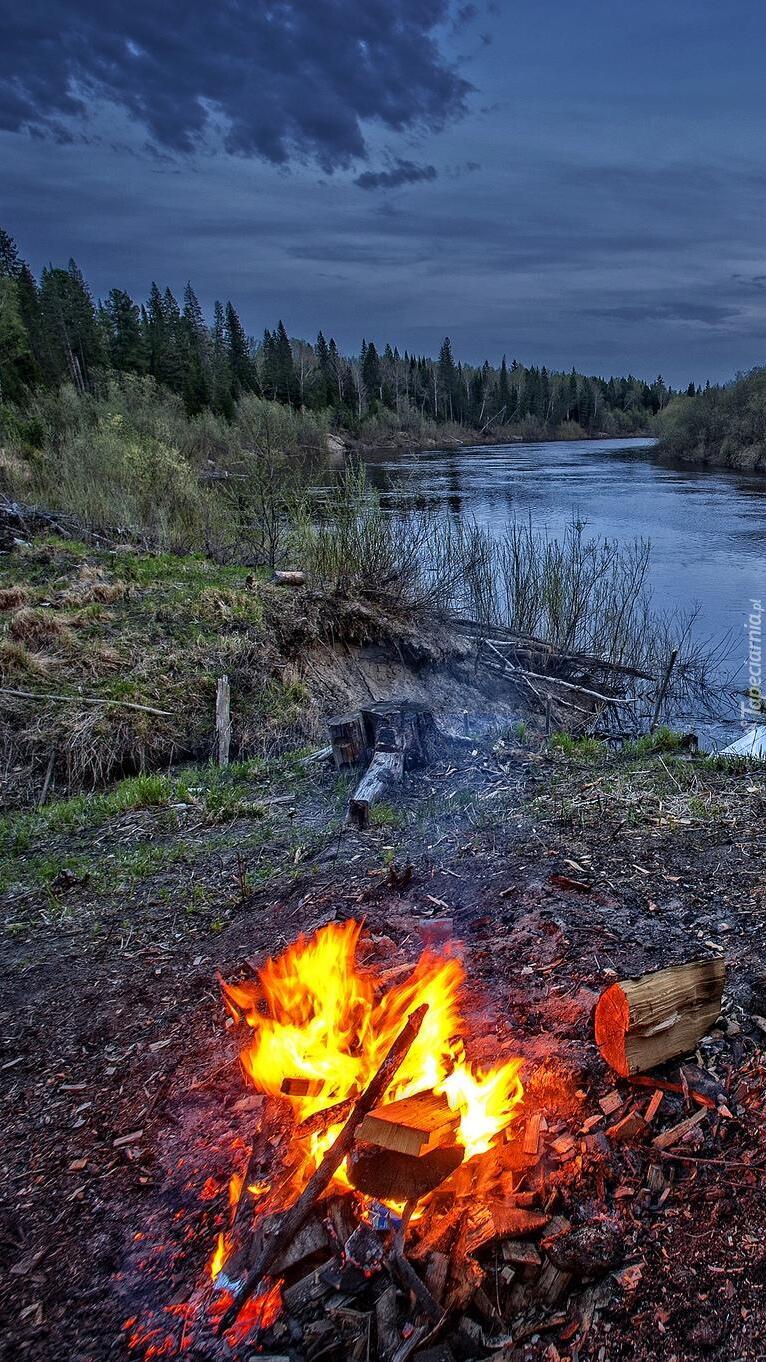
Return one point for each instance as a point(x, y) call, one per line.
point(292, 1220)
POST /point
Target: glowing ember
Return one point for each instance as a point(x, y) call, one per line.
point(321, 1025)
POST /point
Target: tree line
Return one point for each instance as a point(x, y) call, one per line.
point(53, 332)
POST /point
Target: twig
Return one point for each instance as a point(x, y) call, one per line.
point(82, 699)
point(281, 1234)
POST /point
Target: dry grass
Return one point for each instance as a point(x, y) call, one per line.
point(12, 597)
point(16, 660)
point(36, 628)
point(92, 586)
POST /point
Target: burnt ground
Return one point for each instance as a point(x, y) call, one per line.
point(123, 1108)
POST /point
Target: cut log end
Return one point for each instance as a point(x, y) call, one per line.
point(660, 1016)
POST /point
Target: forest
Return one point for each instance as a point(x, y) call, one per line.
point(53, 333)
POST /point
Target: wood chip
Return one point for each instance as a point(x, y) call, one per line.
point(123, 1140)
point(629, 1128)
point(611, 1103)
point(654, 1106)
point(670, 1137)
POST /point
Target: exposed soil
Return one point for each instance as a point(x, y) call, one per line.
point(112, 1027)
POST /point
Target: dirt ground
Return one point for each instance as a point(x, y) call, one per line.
point(557, 874)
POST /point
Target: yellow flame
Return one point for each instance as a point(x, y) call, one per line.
point(320, 1020)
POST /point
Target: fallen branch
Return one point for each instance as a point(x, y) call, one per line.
point(83, 700)
point(280, 1235)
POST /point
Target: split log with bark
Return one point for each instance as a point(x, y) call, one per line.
point(659, 1016)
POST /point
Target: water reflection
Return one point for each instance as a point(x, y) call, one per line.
point(707, 528)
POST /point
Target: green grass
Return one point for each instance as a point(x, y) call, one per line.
point(578, 749)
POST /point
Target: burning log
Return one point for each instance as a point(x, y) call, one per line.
point(412, 1125)
point(392, 1176)
point(273, 1244)
point(659, 1016)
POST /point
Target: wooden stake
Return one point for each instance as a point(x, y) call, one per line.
point(223, 720)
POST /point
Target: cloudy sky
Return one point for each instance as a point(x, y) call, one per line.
point(567, 183)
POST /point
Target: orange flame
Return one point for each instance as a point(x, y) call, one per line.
point(321, 1025)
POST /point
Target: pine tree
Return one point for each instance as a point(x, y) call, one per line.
point(447, 374)
point(223, 401)
point(197, 368)
point(371, 376)
point(504, 393)
point(286, 382)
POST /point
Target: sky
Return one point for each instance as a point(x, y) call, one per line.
point(568, 184)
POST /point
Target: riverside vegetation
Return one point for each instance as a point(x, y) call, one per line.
point(722, 425)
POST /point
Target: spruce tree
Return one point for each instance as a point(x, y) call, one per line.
point(371, 376)
point(10, 260)
point(286, 382)
point(238, 353)
point(127, 350)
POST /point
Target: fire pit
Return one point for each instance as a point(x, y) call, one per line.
point(386, 1108)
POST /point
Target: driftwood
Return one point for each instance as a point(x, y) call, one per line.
point(281, 1234)
point(659, 1016)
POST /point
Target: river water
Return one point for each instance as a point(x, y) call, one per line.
point(707, 528)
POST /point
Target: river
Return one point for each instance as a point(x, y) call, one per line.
point(707, 528)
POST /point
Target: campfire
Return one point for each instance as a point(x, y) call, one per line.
point(385, 1106)
point(394, 1194)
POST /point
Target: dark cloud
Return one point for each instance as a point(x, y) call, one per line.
point(278, 78)
point(401, 172)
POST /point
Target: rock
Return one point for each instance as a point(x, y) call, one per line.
point(587, 1251)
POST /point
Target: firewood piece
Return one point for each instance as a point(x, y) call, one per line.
point(385, 769)
point(387, 1328)
point(391, 1176)
point(655, 1102)
point(665, 1085)
point(521, 1252)
point(348, 736)
point(628, 1128)
point(302, 1296)
point(301, 1087)
point(272, 1244)
point(310, 1241)
point(670, 1137)
point(413, 1125)
point(406, 1273)
point(489, 1222)
point(646, 1021)
point(552, 1284)
point(436, 1274)
point(611, 1103)
point(535, 1124)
